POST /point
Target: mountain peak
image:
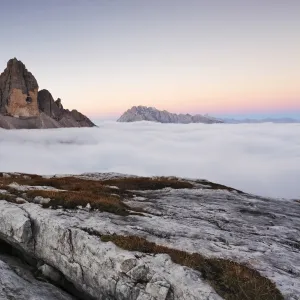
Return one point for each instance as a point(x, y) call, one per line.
point(144, 113)
point(19, 90)
point(23, 106)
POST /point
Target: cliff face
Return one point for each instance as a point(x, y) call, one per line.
point(56, 111)
point(18, 91)
point(23, 106)
point(18, 281)
point(143, 113)
point(47, 104)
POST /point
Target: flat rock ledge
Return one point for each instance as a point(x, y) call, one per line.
point(259, 232)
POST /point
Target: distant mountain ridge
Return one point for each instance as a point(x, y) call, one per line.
point(144, 113)
point(262, 120)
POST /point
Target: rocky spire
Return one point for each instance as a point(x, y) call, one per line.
point(23, 106)
point(18, 91)
point(48, 105)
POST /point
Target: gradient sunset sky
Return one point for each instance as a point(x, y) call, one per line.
point(104, 56)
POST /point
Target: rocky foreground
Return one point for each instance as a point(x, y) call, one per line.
point(23, 106)
point(110, 236)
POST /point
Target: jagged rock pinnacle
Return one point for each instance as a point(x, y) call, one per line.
point(23, 106)
point(143, 113)
point(18, 91)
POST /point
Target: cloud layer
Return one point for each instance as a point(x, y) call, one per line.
point(258, 158)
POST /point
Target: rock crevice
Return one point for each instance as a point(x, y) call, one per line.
point(96, 268)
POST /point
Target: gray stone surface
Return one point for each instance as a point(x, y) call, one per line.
point(94, 266)
point(50, 272)
point(260, 232)
point(143, 113)
point(17, 282)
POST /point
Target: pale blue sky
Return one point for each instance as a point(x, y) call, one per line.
point(104, 56)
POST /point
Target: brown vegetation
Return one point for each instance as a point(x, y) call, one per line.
point(73, 199)
point(231, 280)
point(8, 198)
point(97, 193)
point(217, 186)
point(79, 184)
point(146, 183)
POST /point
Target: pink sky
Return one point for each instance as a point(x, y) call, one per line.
point(103, 57)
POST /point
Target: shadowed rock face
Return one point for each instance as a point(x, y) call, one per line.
point(81, 119)
point(47, 104)
point(22, 106)
point(18, 91)
point(17, 281)
point(64, 117)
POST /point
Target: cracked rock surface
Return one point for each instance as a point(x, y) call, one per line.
point(17, 281)
point(260, 232)
point(100, 269)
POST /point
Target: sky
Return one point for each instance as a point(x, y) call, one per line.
point(262, 159)
point(233, 58)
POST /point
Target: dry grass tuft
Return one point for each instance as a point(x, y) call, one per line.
point(146, 183)
point(8, 198)
point(73, 199)
point(97, 193)
point(217, 186)
point(78, 184)
point(231, 280)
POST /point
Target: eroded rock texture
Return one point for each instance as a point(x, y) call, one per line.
point(18, 91)
point(23, 107)
point(17, 281)
point(99, 269)
point(206, 218)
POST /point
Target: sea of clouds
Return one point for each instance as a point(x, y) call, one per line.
point(262, 159)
